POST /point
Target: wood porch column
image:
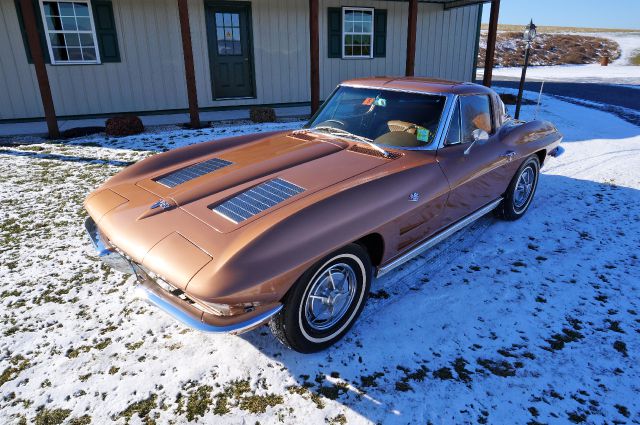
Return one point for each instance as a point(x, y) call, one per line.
point(412, 25)
point(491, 43)
point(314, 55)
point(189, 71)
point(29, 17)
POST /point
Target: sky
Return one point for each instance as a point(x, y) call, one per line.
point(623, 14)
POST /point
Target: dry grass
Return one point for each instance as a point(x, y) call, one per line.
point(551, 49)
point(552, 29)
point(635, 58)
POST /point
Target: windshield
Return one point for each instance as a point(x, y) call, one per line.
point(383, 117)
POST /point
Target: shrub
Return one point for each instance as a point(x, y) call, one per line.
point(124, 126)
point(262, 114)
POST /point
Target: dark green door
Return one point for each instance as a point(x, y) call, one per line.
point(230, 48)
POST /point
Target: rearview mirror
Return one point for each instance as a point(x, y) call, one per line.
point(478, 135)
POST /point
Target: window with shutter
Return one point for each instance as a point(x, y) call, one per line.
point(356, 32)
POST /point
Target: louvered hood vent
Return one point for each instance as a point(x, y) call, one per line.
point(257, 199)
point(191, 172)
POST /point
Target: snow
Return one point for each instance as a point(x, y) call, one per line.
point(551, 301)
point(618, 72)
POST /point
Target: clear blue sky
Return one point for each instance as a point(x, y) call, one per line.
point(624, 14)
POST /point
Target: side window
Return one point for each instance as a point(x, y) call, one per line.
point(453, 135)
point(475, 114)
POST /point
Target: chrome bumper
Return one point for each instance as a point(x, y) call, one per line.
point(106, 254)
point(179, 309)
point(148, 290)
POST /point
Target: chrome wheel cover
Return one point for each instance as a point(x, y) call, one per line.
point(524, 188)
point(329, 296)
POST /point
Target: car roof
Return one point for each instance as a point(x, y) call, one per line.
point(419, 84)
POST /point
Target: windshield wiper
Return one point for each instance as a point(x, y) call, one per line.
point(345, 133)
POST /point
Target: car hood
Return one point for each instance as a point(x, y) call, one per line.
point(164, 206)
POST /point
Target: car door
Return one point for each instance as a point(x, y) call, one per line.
point(473, 157)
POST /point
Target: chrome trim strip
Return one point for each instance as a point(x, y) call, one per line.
point(438, 238)
point(184, 316)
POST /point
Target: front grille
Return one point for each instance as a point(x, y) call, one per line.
point(191, 172)
point(257, 199)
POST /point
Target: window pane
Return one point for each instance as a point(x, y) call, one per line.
point(237, 50)
point(81, 9)
point(227, 19)
point(60, 54)
point(366, 50)
point(348, 39)
point(220, 33)
point(348, 51)
point(235, 20)
point(219, 22)
point(66, 9)
point(89, 54)
point(54, 24)
point(365, 39)
point(476, 114)
point(348, 16)
point(51, 9)
point(348, 26)
point(75, 54)
point(72, 40)
point(453, 136)
point(357, 27)
point(57, 40)
point(86, 40)
point(366, 26)
point(69, 24)
point(357, 39)
point(84, 24)
point(357, 51)
point(236, 34)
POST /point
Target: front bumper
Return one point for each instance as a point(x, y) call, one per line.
point(170, 302)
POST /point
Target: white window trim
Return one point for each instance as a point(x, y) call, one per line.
point(344, 34)
point(93, 34)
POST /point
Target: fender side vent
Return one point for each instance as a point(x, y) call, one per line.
point(257, 199)
point(191, 172)
point(374, 152)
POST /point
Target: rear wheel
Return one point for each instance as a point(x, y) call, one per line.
point(325, 302)
point(521, 190)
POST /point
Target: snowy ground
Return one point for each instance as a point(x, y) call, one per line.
point(618, 72)
point(508, 322)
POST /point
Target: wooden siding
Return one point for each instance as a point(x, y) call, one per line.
point(150, 76)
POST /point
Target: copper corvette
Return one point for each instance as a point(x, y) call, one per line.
point(291, 227)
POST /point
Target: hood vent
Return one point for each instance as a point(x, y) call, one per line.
point(191, 172)
point(257, 199)
point(374, 152)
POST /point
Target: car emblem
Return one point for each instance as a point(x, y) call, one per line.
point(162, 204)
point(414, 197)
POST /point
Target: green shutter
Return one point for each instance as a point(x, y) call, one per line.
point(105, 30)
point(43, 40)
point(379, 33)
point(334, 32)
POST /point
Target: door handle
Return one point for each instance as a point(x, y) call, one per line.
point(510, 155)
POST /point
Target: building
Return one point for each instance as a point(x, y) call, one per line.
point(63, 58)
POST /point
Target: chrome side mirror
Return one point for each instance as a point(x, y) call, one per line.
point(478, 135)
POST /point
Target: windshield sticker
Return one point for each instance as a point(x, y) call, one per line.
point(380, 102)
point(423, 134)
point(368, 101)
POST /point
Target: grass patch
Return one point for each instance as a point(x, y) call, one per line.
point(141, 408)
point(51, 417)
point(635, 59)
point(17, 364)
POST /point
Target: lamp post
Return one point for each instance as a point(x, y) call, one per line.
point(528, 36)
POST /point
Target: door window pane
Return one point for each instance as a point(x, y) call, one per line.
point(453, 135)
point(228, 34)
point(475, 114)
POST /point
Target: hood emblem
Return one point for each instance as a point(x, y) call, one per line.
point(414, 197)
point(161, 204)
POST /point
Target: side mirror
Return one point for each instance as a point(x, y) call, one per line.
point(479, 135)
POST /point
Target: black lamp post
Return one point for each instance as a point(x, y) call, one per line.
point(528, 36)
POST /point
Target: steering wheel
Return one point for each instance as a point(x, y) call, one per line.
point(327, 123)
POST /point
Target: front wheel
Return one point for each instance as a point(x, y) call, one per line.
point(325, 302)
point(521, 190)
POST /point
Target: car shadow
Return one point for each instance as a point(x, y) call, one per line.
point(461, 329)
point(67, 158)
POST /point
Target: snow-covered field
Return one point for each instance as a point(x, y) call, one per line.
point(507, 322)
point(618, 72)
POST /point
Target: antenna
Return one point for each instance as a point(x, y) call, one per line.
point(535, 115)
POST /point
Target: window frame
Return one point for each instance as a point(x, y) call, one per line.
point(93, 33)
point(345, 33)
point(456, 106)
